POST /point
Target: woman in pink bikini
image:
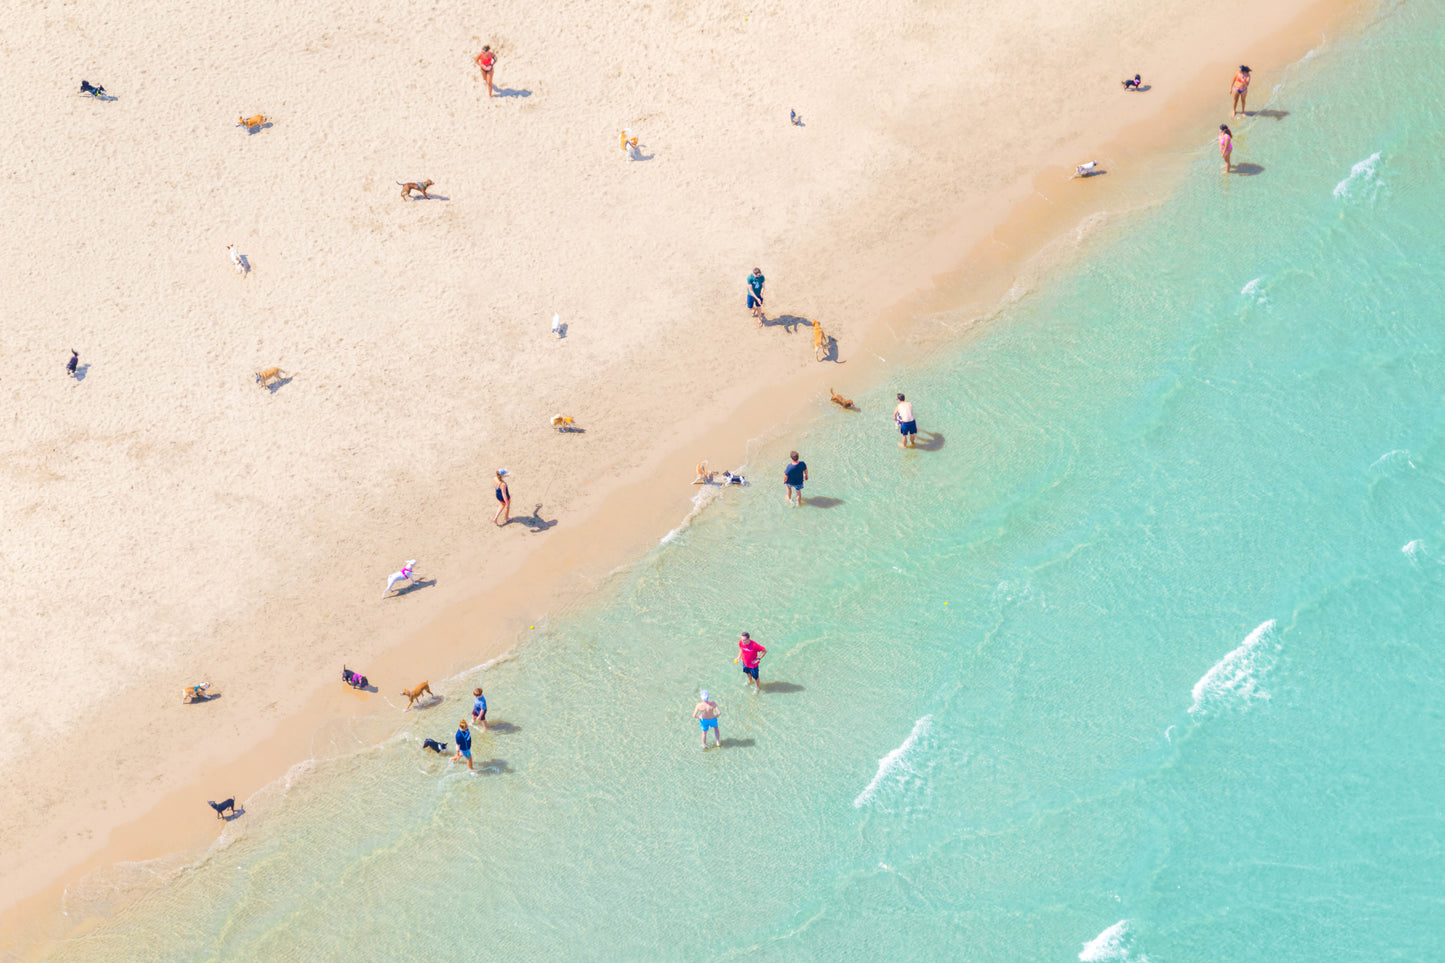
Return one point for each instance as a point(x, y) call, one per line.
point(1226, 146)
point(487, 61)
point(1239, 86)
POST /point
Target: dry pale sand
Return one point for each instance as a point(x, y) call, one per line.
point(165, 520)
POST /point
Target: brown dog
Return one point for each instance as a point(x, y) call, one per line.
point(820, 341)
point(414, 694)
point(264, 378)
point(256, 120)
point(410, 186)
point(840, 401)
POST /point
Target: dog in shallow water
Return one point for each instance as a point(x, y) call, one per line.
point(414, 694)
point(222, 806)
point(433, 745)
point(839, 400)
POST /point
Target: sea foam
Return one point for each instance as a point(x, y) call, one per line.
point(1235, 679)
point(1365, 172)
point(895, 767)
point(1112, 946)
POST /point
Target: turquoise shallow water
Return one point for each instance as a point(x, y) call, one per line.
point(1140, 662)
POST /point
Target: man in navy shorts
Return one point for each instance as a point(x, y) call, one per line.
point(907, 423)
point(794, 474)
point(750, 653)
point(755, 294)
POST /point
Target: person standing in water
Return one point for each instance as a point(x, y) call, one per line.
point(1226, 146)
point(464, 744)
point(907, 426)
point(487, 61)
point(706, 712)
point(504, 495)
point(750, 654)
point(479, 709)
point(1239, 87)
point(755, 294)
point(794, 474)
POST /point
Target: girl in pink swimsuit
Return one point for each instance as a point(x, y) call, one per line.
point(1226, 146)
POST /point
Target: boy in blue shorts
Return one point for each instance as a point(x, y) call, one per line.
point(706, 714)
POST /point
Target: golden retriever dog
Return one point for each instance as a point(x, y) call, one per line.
point(265, 378)
point(418, 186)
point(563, 423)
point(820, 341)
point(254, 121)
point(840, 401)
point(704, 474)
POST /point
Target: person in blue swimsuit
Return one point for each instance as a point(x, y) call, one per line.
point(755, 294)
point(504, 495)
point(706, 713)
point(464, 744)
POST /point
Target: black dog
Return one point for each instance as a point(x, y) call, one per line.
point(1131, 84)
point(95, 91)
point(222, 806)
point(354, 679)
point(433, 745)
point(74, 361)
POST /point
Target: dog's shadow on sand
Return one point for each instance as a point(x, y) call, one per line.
point(279, 383)
point(1096, 172)
point(510, 92)
point(503, 728)
point(81, 372)
point(204, 697)
point(430, 197)
point(830, 351)
point(236, 813)
point(266, 126)
point(413, 587)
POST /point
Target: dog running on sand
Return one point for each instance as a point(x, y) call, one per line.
point(195, 693)
point(414, 694)
point(1086, 170)
point(222, 806)
point(265, 378)
point(564, 423)
point(407, 574)
point(418, 186)
point(252, 122)
point(236, 261)
point(95, 90)
point(74, 362)
point(840, 401)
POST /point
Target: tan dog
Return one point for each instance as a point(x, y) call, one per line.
point(264, 378)
point(414, 694)
point(704, 475)
point(563, 423)
point(840, 401)
point(256, 120)
point(410, 186)
point(820, 341)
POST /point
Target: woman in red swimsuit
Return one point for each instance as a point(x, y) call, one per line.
point(487, 60)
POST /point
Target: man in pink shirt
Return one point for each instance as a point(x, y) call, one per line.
point(749, 654)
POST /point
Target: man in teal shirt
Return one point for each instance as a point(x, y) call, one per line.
point(755, 294)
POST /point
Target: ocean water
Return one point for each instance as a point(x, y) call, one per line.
point(1140, 660)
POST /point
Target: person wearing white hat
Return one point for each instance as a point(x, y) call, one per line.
point(504, 495)
point(706, 714)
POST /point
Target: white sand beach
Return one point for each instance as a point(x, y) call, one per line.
point(166, 520)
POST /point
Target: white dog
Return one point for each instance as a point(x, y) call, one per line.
point(1084, 170)
point(407, 574)
point(239, 264)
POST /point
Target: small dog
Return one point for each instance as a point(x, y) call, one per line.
point(840, 401)
point(1131, 84)
point(820, 342)
point(252, 122)
point(236, 261)
point(74, 362)
point(628, 145)
point(265, 378)
point(195, 693)
point(354, 679)
point(434, 746)
point(731, 478)
point(1086, 170)
point(222, 806)
point(795, 118)
point(407, 574)
point(704, 476)
point(414, 694)
point(95, 90)
point(563, 423)
point(419, 186)
point(557, 325)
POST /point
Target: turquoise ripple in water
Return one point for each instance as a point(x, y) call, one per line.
point(1140, 663)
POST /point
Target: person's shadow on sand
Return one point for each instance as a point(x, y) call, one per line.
point(412, 587)
point(534, 522)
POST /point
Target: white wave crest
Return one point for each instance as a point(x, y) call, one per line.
point(1252, 288)
point(1412, 548)
point(1395, 454)
point(1112, 946)
point(896, 765)
point(1365, 172)
point(1236, 678)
